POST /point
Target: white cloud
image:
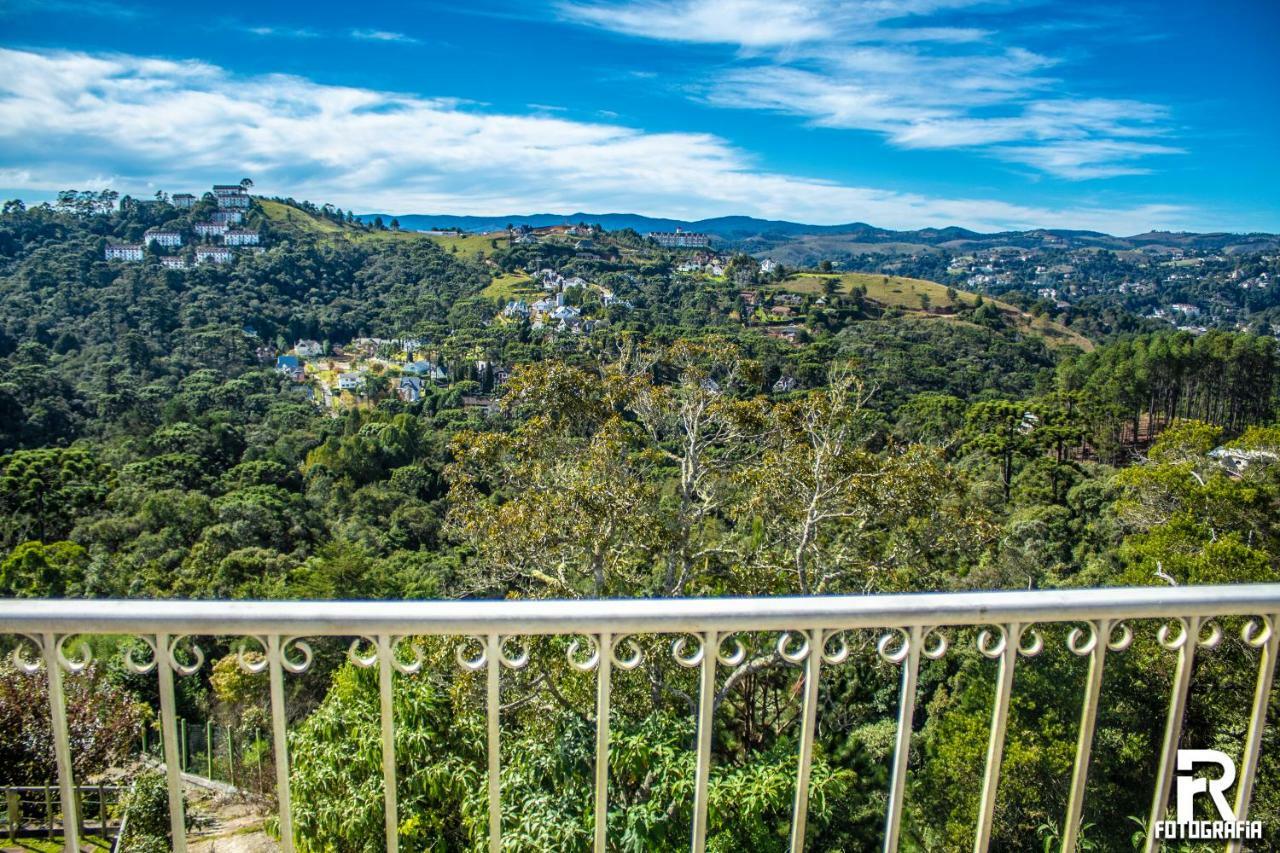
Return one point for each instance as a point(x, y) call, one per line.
point(382, 35)
point(67, 118)
point(750, 23)
point(885, 67)
point(282, 32)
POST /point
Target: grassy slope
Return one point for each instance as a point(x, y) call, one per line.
point(510, 286)
point(904, 294)
point(469, 244)
point(316, 226)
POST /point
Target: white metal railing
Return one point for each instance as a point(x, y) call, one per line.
point(811, 636)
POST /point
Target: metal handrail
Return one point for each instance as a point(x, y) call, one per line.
point(808, 626)
point(629, 615)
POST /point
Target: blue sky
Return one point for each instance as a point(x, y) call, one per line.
point(901, 113)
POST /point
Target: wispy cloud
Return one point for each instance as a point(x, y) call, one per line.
point(892, 68)
point(383, 35)
point(181, 125)
point(750, 23)
point(96, 8)
point(282, 32)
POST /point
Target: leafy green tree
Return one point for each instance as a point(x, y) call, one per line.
point(37, 570)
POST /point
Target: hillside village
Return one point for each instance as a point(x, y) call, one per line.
point(209, 230)
point(578, 280)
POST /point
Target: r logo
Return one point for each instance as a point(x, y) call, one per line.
point(1189, 785)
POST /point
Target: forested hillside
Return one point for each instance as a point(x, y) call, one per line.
point(682, 441)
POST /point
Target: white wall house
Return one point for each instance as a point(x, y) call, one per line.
point(125, 252)
point(211, 229)
point(231, 195)
point(184, 201)
point(173, 262)
point(308, 348)
point(680, 239)
point(213, 255)
point(234, 237)
point(228, 217)
point(162, 237)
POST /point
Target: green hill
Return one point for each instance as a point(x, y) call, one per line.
point(303, 223)
point(930, 299)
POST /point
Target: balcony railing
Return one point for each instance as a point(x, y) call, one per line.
point(811, 634)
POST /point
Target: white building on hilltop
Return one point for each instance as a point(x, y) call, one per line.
point(173, 262)
point(680, 239)
point(210, 229)
point(162, 237)
point(231, 195)
point(213, 255)
point(184, 201)
point(235, 237)
point(124, 252)
point(228, 217)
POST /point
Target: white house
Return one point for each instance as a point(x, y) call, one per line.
point(767, 266)
point(231, 195)
point(565, 312)
point(308, 348)
point(184, 201)
point(353, 381)
point(162, 237)
point(213, 255)
point(211, 229)
point(240, 238)
point(680, 239)
point(228, 217)
point(173, 262)
point(124, 252)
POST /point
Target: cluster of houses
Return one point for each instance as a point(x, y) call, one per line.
point(348, 368)
point(551, 311)
point(232, 199)
point(714, 265)
point(523, 234)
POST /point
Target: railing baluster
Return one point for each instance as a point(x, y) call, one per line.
point(902, 745)
point(1269, 642)
point(280, 740)
point(62, 745)
point(493, 659)
point(385, 652)
point(1006, 651)
point(706, 713)
point(169, 734)
point(603, 676)
point(1186, 646)
point(1088, 720)
point(808, 722)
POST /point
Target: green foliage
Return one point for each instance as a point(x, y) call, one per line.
point(146, 812)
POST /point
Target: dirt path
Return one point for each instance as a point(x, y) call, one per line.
point(227, 823)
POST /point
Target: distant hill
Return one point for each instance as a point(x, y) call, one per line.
point(761, 235)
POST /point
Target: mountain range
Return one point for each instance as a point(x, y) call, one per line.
point(762, 234)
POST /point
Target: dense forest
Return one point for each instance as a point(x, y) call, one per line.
point(148, 448)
